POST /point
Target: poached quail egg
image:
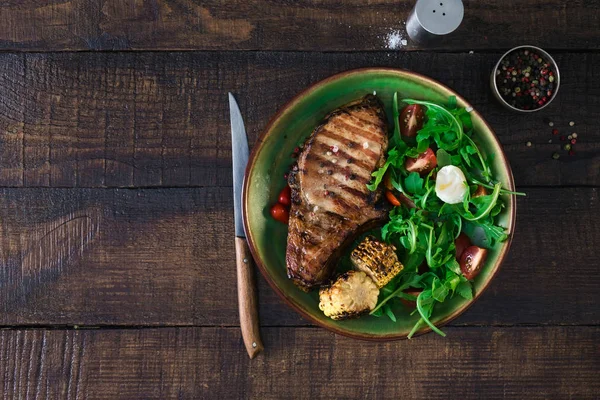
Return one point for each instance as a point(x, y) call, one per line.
point(450, 184)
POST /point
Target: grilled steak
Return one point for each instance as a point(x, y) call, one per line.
point(331, 204)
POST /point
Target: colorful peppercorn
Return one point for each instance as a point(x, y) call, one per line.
point(525, 80)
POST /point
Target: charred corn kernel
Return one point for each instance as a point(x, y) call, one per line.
point(376, 259)
point(353, 293)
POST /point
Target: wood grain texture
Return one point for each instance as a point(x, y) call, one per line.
point(300, 363)
point(156, 119)
point(166, 257)
point(350, 25)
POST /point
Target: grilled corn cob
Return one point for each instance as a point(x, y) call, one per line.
point(376, 259)
point(352, 294)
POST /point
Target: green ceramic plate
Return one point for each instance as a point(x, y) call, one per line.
point(271, 158)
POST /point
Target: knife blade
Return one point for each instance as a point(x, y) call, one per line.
point(247, 298)
point(239, 154)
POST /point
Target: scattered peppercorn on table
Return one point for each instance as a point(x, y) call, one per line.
point(116, 212)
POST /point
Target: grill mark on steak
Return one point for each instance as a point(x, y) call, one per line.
point(344, 155)
point(364, 135)
point(331, 204)
point(340, 166)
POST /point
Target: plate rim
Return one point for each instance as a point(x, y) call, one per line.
point(252, 160)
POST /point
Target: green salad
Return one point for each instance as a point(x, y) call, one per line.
point(444, 193)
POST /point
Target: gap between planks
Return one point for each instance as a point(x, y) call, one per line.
point(149, 327)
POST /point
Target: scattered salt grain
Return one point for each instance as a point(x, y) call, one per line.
point(335, 149)
point(365, 145)
point(394, 40)
point(328, 153)
point(469, 109)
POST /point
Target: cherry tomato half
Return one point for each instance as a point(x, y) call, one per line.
point(411, 303)
point(422, 164)
point(280, 213)
point(461, 243)
point(471, 261)
point(285, 197)
point(411, 120)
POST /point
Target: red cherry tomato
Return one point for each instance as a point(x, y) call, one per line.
point(471, 261)
point(280, 213)
point(285, 197)
point(461, 243)
point(422, 164)
point(411, 303)
point(411, 120)
point(392, 199)
point(481, 191)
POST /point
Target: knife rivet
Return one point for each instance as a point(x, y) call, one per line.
point(253, 344)
point(245, 261)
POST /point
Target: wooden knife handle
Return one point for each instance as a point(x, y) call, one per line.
point(247, 299)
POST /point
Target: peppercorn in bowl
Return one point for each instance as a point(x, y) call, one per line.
point(525, 79)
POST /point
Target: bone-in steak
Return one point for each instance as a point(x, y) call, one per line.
point(331, 204)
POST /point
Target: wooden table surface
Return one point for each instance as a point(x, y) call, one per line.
point(117, 275)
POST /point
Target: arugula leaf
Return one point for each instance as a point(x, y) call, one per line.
point(443, 158)
point(435, 113)
point(485, 168)
point(410, 279)
point(484, 204)
point(388, 311)
point(452, 102)
point(425, 308)
point(396, 115)
point(439, 290)
point(393, 157)
point(453, 266)
point(452, 280)
point(465, 289)
point(422, 146)
point(377, 313)
point(484, 233)
point(414, 183)
point(396, 139)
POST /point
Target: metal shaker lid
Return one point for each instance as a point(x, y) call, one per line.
point(439, 17)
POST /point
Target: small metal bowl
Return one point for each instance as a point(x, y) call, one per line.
point(544, 54)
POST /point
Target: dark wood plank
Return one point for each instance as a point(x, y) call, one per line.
point(302, 363)
point(155, 119)
point(166, 257)
point(350, 25)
